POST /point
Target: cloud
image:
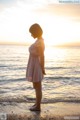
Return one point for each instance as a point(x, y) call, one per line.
point(71, 11)
point(40, 1)
point(7, 1)
point(28, 3)
point(7, 4)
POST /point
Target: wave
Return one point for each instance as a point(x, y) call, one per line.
point(21, 67)
point(44, 101)
point(62, 78)
point(51, 68)
point(3, 66)
point(12, 67)
point(11, 80)
point(74, 79)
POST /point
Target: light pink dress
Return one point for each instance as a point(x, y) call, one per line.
point(34, 71)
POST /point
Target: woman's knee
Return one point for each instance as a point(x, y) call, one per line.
point(37, 85)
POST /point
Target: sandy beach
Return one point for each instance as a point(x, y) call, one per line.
point(53, 111)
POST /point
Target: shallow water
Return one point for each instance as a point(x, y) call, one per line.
point(62, 82)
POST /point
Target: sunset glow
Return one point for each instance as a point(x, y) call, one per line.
point(58, 28)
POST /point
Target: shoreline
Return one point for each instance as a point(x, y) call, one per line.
point(51, 111)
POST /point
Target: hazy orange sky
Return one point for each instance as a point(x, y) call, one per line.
point(60, 21)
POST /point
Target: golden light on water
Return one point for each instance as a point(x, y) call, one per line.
point(55, 53)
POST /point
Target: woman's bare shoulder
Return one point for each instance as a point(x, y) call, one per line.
point(39, 43)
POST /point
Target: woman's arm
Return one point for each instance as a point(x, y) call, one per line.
point(41, 56)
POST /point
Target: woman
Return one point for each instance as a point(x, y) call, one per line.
point(35, 67)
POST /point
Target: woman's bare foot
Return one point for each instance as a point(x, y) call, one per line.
point(35, 108)
point(34, 105)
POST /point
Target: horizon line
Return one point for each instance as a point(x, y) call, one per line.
point(74, 44)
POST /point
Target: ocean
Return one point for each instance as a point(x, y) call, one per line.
point(60, 84)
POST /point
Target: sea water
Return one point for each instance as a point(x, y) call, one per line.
point(60, 84)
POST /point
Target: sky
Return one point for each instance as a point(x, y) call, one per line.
point(59, 20)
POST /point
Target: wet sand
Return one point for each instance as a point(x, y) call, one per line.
point(53, 111)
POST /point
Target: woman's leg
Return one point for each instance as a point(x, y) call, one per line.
point(38, 90)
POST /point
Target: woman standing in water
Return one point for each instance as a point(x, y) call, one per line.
point(35, 67)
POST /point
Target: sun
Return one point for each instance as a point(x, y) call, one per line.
point(59, 30)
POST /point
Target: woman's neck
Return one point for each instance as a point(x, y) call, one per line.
point(40, 37)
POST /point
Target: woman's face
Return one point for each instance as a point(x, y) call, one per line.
point(33, 36)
